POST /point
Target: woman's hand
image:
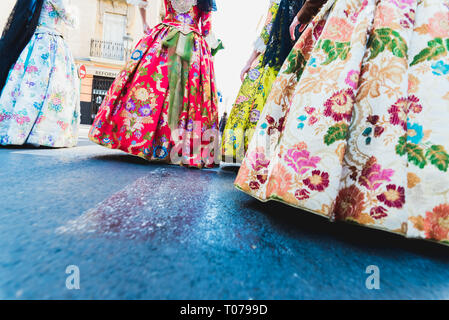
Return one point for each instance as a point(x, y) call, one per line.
point(249, 64)
point(146, 28)
point(245, 71)
point(293, 26)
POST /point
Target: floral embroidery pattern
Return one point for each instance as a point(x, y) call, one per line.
point(40, 101)
point(138, 116)
point(436, 223)
point(250, 100)
point(377, 144)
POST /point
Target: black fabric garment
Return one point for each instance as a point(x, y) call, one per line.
point(207, 5)
point(280, 44)
point(19, 29)
point(222, 124)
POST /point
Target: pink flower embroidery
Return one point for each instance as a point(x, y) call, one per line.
point(402, 3)
point(394, 196)
point(22, 120)
point(352, 79)
point(378, 212)
point(373, 176)
point(300, 160)
point(63, 125)
point(318, 29)
point(384, 17)
point(31, 69)
point(439, 25)
point(309, 110)
point(312, 120)
point(399, 110)
point(339, 105)
point(338, 29)
point(241, 99)
point(254, 185)
point(414, 105)
point(280, 181)
point(258, 161)
point(318, 181)
point(302, 194)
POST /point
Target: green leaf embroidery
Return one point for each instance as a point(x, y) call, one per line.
point(295, 63)
point(143, 72)
point(156, 77)
point(438, 157)
point(334, 50)
point(386, 38)
point(335, 133)
point(148, 136)
point(416, 155)
point(401, 146)
point(434, 49)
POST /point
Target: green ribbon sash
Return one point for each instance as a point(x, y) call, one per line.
point(180, 49)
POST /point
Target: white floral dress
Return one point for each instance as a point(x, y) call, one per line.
point(355, 128)
point(40, 101)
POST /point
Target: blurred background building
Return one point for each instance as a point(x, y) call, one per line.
point(108, 30)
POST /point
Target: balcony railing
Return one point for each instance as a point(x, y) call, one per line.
point(107, 50)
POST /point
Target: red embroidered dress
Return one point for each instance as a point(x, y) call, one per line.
point(163, 104)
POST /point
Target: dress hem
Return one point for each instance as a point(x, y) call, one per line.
point(443, 243)
point(96, 141)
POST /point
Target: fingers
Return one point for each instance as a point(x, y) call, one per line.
point(244, 72)
point(293, 27)
point(292, 33)
point(302, 27)
point(242, 75)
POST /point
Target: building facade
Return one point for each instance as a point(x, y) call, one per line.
point(107, 32)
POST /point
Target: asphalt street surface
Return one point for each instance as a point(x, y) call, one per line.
point(138, 230)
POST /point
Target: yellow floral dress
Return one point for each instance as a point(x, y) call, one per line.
point(251, 98)
point(355, 128)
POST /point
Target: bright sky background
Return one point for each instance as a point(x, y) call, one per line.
point(237, 23)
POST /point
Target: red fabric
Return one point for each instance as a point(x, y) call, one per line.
point(134, 114)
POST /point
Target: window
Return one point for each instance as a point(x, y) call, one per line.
point(114, 27)
point(111, 47)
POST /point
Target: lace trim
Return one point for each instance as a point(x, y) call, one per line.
point(212, 41)
point(183, 6)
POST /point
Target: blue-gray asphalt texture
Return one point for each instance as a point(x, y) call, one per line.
point(140, 230)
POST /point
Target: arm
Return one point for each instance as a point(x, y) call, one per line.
point(261, 43)
point(249, 64)
point(142, 4)
point(143, 14)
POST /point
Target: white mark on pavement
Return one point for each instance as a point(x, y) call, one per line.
point(77, 152)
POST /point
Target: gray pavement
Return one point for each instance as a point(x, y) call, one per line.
point(138, 230)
